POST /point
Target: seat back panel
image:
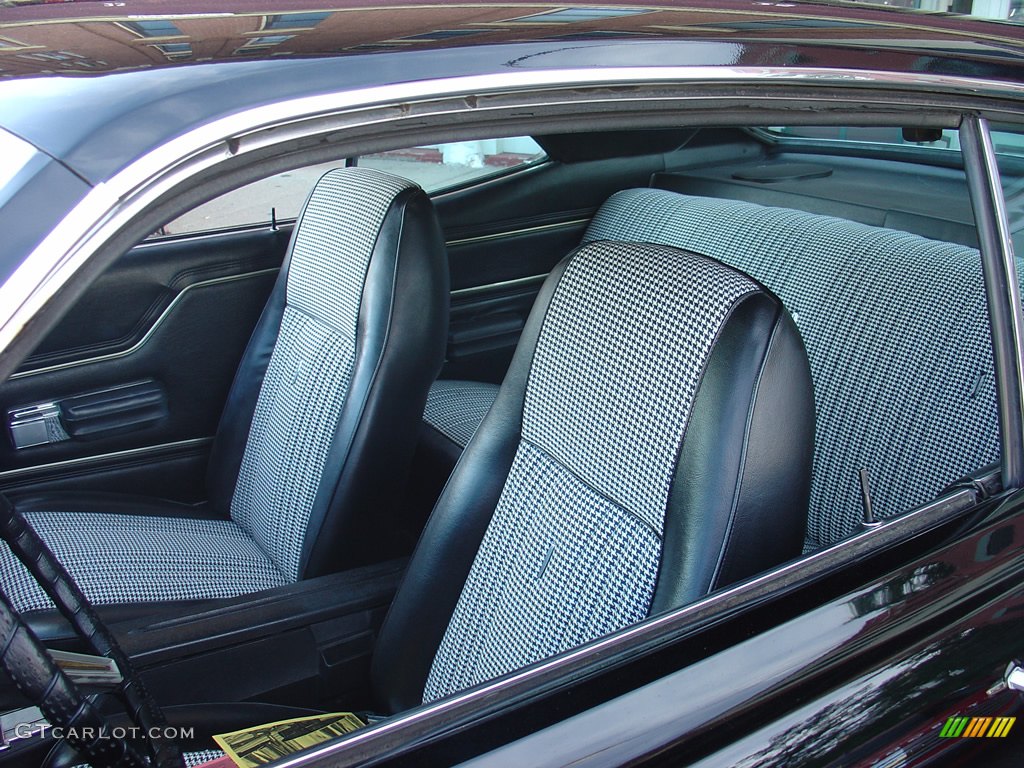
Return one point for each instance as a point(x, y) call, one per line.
point(306, 381)
point(573, 548)
point(302, 395)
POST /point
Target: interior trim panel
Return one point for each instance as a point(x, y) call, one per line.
point(175, 302)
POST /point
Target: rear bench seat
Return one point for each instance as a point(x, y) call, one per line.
point(896, 329)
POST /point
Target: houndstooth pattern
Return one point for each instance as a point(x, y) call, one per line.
point(136, 558)
point(308, 375)
point(292, 428)
point(559, 565)
point(333, 243)
point(896, 330)
point(192, 759)
point(456, 408)
point(618, 362)
point(573, 548)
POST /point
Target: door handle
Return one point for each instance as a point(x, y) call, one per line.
point(111, 411)
point(88, 416)
point(1014, 677)
point(37, 424)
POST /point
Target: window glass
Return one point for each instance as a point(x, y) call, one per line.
point(1006, 142)
point(295, 20)
point(433, 167)
point(577, 15)
point(1009, 146)
point(944, 139)
point(152, 27)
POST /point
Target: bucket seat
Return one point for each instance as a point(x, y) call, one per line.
point(318, 429)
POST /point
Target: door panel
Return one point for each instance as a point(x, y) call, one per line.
point(144, 359)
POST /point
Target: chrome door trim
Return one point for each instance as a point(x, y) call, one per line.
point(514, 232)
point(83, 461)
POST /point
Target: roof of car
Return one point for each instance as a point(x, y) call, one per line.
point(97, 83)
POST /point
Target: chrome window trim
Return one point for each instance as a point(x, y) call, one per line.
point(1001, 288)
point(153, 328)
point(113, 203)
point(519, 282)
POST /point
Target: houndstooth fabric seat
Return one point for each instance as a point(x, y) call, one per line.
point(896, 328)
point(456, 408)
point(330, 387)
point(651, 441)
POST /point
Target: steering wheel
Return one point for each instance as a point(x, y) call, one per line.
point(43, 682)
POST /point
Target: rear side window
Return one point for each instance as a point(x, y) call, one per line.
point(434, 167)
point(1009, 146)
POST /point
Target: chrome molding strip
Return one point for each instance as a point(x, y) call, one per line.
point(149, 333)
point(476, 290)
point(1002, 291)
point(85, 461)
point(515, 232)
point(408, 730)
point(113, 204)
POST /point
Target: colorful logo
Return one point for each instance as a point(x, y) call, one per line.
point(976, 727)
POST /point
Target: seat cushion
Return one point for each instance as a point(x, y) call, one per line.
point(123, 558)
point(456, 408)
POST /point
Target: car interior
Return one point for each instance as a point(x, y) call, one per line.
point(409, 443)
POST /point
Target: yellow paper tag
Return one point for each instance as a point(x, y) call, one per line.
point(261, 744)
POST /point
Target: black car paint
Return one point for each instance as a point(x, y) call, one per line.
point(795, 681)
point(839, 671)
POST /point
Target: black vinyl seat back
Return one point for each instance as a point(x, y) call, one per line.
point(651, 442)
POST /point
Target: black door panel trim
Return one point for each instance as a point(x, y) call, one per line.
point(149, 332)
point(22, 473)
point(562, 224)
point(479, 290)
